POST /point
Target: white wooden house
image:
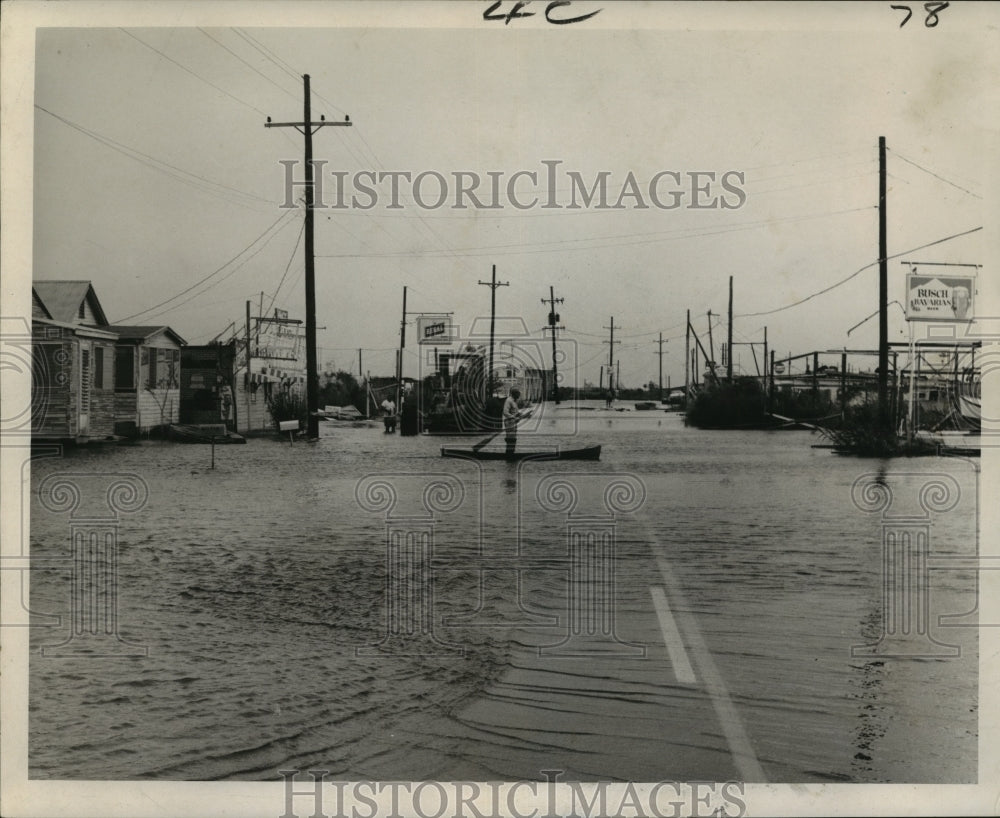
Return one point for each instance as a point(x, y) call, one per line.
point(93, 380)
point(73, 366)
point(147, 378)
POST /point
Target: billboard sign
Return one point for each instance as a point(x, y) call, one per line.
point(940, 297)
point(437, 330)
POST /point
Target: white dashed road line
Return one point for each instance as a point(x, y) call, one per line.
point(742, 751)
point(672, 638)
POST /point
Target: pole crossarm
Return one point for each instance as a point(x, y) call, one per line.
point(313, 126)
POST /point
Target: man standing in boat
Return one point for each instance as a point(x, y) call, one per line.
point(511, 413)
point(389, 415)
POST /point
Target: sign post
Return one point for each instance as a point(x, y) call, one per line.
point(290, 426)
point(939, 297)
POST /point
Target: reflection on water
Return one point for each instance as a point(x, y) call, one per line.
point(261, 587)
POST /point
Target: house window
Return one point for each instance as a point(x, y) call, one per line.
point(85, 375)
point(124, 368)
point(99, 367)
point(173, 368)
point(150, 356)
point(82, 312)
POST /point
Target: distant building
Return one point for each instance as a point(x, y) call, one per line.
point(276, 363)
point(529, 380)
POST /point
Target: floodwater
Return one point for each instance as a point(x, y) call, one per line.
point(683, 609)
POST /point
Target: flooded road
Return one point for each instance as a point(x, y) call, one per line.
point(683, 609)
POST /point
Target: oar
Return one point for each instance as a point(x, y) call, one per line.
point(483, 442)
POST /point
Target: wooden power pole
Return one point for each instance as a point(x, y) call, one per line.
point(552, 327)
point(611, 354)
point(883, 294)
point(307, 127)
point(492, 284)
point(399, 356)
point(661, 365)
point(729, 338)
point(687, 357)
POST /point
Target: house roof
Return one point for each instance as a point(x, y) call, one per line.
point(62, 299)
point(36, 300)
point(129, 332)
point(82, 331)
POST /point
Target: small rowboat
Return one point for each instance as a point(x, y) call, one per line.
point(586, 453)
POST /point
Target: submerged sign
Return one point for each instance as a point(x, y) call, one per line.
point(940, 297)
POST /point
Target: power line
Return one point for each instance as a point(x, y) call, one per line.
point(857, 273)
point(235, 269)
point(248, 65)
point(188, 177)
point(210, 275)
point(936, 176)
point(288, 266)
point(193, 73)
point(268, 54)
point(361, 160)
point(646, 238)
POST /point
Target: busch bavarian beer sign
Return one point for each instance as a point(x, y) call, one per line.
point(940, 297)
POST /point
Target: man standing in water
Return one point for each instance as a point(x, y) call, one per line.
point(510, 417)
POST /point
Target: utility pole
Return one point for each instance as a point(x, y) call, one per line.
point(249, 376)
point(661, 365)
point(306, 128)
point(611, 353)
point(883, 294)
point(770, 390)
point(552, 327)
point(765, 359)
point(687, 357)
point(729, 338)
point(492, 284)
point(399, 355)
point(711, 346)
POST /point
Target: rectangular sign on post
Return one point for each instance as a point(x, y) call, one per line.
point(435, 329)
point(940, 297)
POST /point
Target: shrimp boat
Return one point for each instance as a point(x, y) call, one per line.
point(970, 399)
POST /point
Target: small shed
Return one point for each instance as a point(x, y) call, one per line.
point(147, 377)
point(208, 384)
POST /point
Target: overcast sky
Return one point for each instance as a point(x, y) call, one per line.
point(153, 170)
